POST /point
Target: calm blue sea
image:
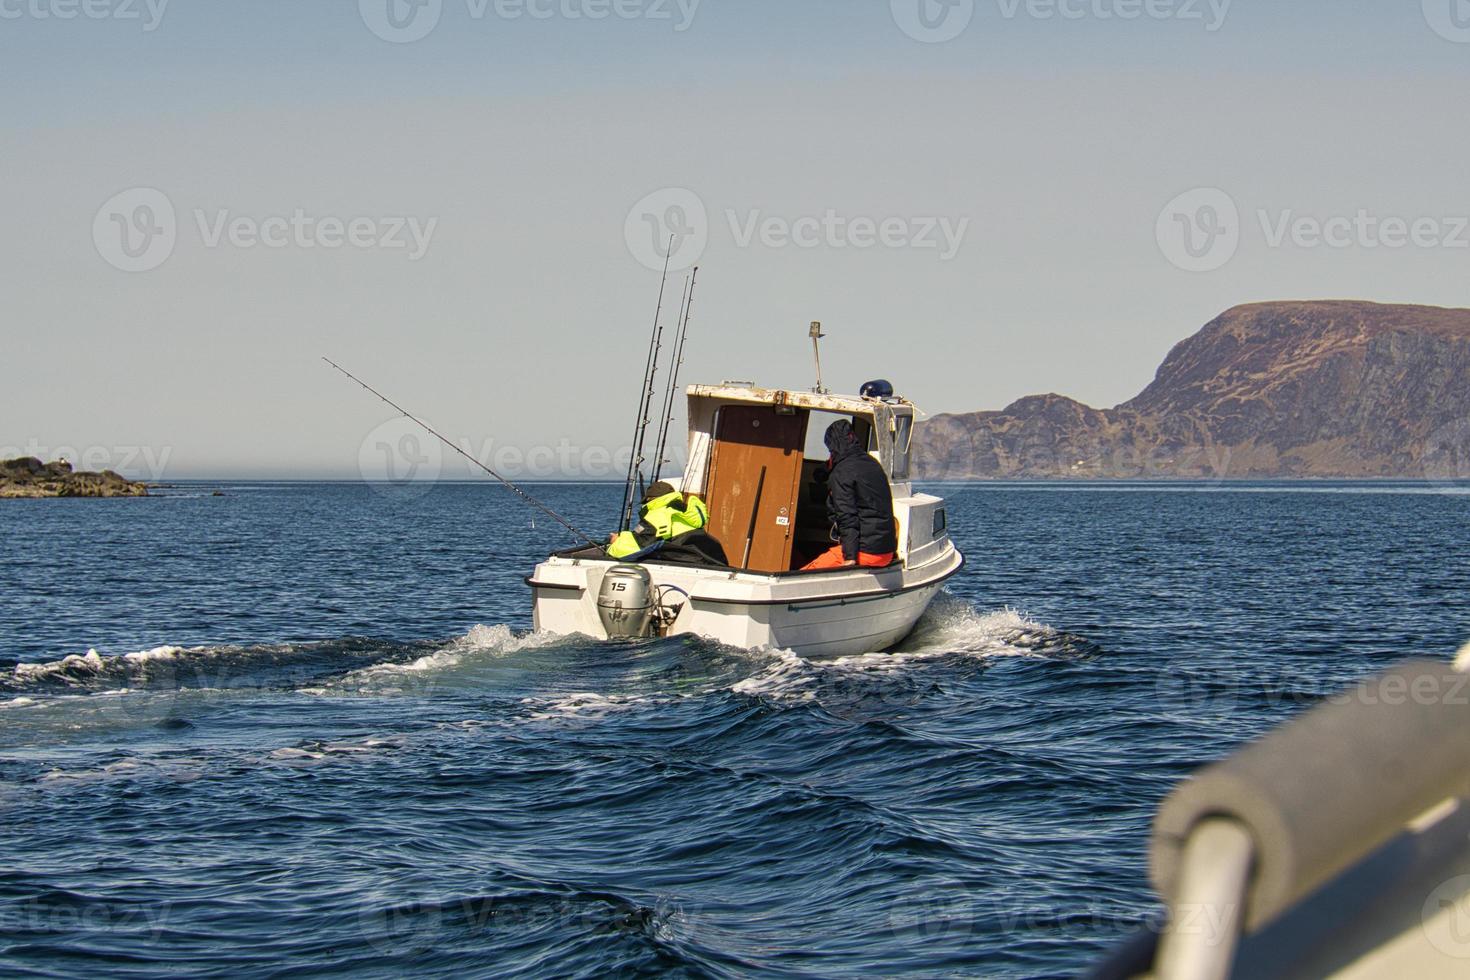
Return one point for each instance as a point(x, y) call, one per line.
point(304, 729)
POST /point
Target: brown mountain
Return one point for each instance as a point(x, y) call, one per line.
point(1321, 389)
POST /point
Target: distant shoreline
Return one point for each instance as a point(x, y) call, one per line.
point(27, 478)
point(196, 483)
point(1324, 390)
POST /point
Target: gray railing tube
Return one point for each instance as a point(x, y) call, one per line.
point(1330, 788)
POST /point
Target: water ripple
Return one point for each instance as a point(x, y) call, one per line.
point(234, 759)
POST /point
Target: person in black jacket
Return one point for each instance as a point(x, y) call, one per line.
point(859, 503)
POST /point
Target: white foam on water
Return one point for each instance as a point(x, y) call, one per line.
point(61, 775)
point(786, 676)
point(583, 705)
point(55, 701)
point(320, 752)
point(126, 765)
point(953, 626)
point(480, 643)
point(950, 628)
point(181, 770)
point(157, 653)
point(367, 745)
point(93, 662)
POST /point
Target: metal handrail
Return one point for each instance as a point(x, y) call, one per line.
point(1245, 840)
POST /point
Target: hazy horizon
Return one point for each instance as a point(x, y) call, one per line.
point(205, 199)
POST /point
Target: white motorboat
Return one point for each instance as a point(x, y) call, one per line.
point(748, 461)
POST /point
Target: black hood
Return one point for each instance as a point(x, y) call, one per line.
point(842, 442)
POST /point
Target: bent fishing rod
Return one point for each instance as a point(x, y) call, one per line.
point(504, 482)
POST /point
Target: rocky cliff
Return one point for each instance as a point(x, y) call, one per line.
point(1321, 389)
point(31, 478)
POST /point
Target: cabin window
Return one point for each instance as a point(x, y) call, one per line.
point(816, 432)
point(902, 438)
point(941, 522)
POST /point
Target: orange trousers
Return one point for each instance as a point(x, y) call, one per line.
point(834, 558)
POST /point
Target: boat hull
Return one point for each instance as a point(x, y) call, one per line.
point(827, 614)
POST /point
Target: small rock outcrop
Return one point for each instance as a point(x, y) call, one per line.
point(30, 478)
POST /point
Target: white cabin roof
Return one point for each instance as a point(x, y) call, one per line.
point(840, 404)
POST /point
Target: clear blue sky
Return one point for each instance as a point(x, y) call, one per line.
point(520, 146)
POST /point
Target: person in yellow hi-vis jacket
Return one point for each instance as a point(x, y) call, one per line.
point(665, 515)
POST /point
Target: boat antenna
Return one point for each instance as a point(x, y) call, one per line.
point(645, 400)
point(816, 334)
point(676, 361)
point(430, 430)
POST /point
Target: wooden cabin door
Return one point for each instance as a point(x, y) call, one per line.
point(754, 483)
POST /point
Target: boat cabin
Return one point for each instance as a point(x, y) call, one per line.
point(755, 456)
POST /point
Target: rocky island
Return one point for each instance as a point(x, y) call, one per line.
point(1331, 389)
point(30, 478)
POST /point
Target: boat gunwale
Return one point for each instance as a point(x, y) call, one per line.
point(783, 578)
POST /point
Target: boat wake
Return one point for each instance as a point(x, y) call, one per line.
point(951, 629)
point(551, 677)
point(282, 665)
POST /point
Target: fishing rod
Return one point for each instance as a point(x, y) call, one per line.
point(667, 408)
point(430, 430)
point(645, 401)
point(676, 361)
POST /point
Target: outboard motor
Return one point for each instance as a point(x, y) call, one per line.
point(625, 602)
